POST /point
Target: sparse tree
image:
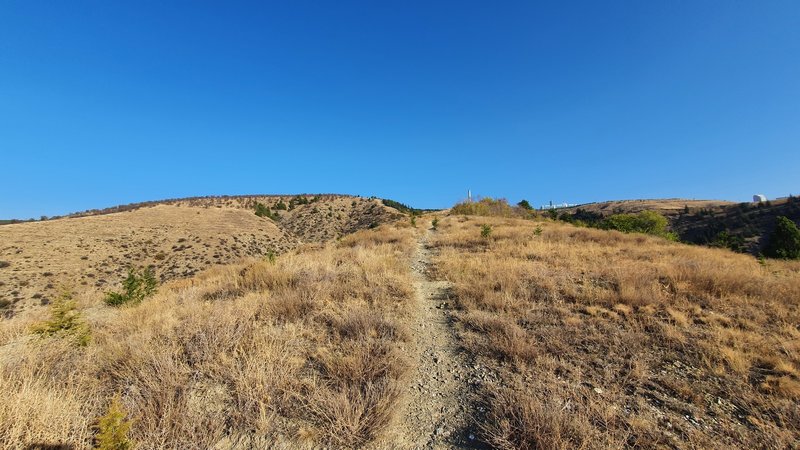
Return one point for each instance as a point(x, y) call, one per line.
point(784, 243)
point(113, 428)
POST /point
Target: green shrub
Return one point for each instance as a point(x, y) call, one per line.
point(65, 320)
point(264, 211)
point(537, 231)
point(414, 221)
point(784, 242)
point(136, 287)
point(280, 205)
point(435, 223)
point(724, 239)
point(297, 200)
point(525, 205)
point(486, 230)
point(648, 222)
point(113, 428)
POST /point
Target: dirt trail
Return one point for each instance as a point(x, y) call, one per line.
point(438, 412)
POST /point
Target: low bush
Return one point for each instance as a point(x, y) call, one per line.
point(65, 320)
point(647, 222)
point(486, 231)
point(297, 200)
point(264, 211)
point(113, 428)
point(724, 239)
point(139, 285)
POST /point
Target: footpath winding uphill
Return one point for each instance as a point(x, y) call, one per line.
point(438, 411)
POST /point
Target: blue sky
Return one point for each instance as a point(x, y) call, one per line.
point(103, 103)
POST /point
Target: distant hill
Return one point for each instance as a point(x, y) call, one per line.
point(743, 227)
point(668, 206)
point(179, 237)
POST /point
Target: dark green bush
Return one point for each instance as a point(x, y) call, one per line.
point(525, 205)
point(264, 211)
point(297, 200)
point(136, 287)
point(784, 242)
point(648, 222)
point(724, 239)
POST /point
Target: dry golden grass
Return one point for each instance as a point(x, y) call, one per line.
point(303, 352)
point(606, 340)
point(178, 238)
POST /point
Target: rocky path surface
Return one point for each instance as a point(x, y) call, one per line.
point(437, 416)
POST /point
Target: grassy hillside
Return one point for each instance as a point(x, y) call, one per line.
point(480, 331)
point(296, 353)
point(743, 227)
point(598, 339)
point(178, 238)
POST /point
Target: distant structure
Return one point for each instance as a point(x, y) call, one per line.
point(759, 198)
point(469, 195)
point(557, 205)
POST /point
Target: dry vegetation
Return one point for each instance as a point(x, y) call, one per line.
point(306, 350)
point(600, 339)
point(178, 238)
point(583, 338)
point(667, 206)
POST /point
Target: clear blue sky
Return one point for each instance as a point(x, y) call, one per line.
point(109, 102)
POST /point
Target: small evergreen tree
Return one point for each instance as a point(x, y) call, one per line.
point(784, 242)
point(113, 428)
point(136, 287)
point(525, 205)
point(65, 320)
point(486, 231)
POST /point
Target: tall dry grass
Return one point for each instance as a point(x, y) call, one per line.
point(303, 352)
point(606, 340)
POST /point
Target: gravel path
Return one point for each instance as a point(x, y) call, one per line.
point(438, 412)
